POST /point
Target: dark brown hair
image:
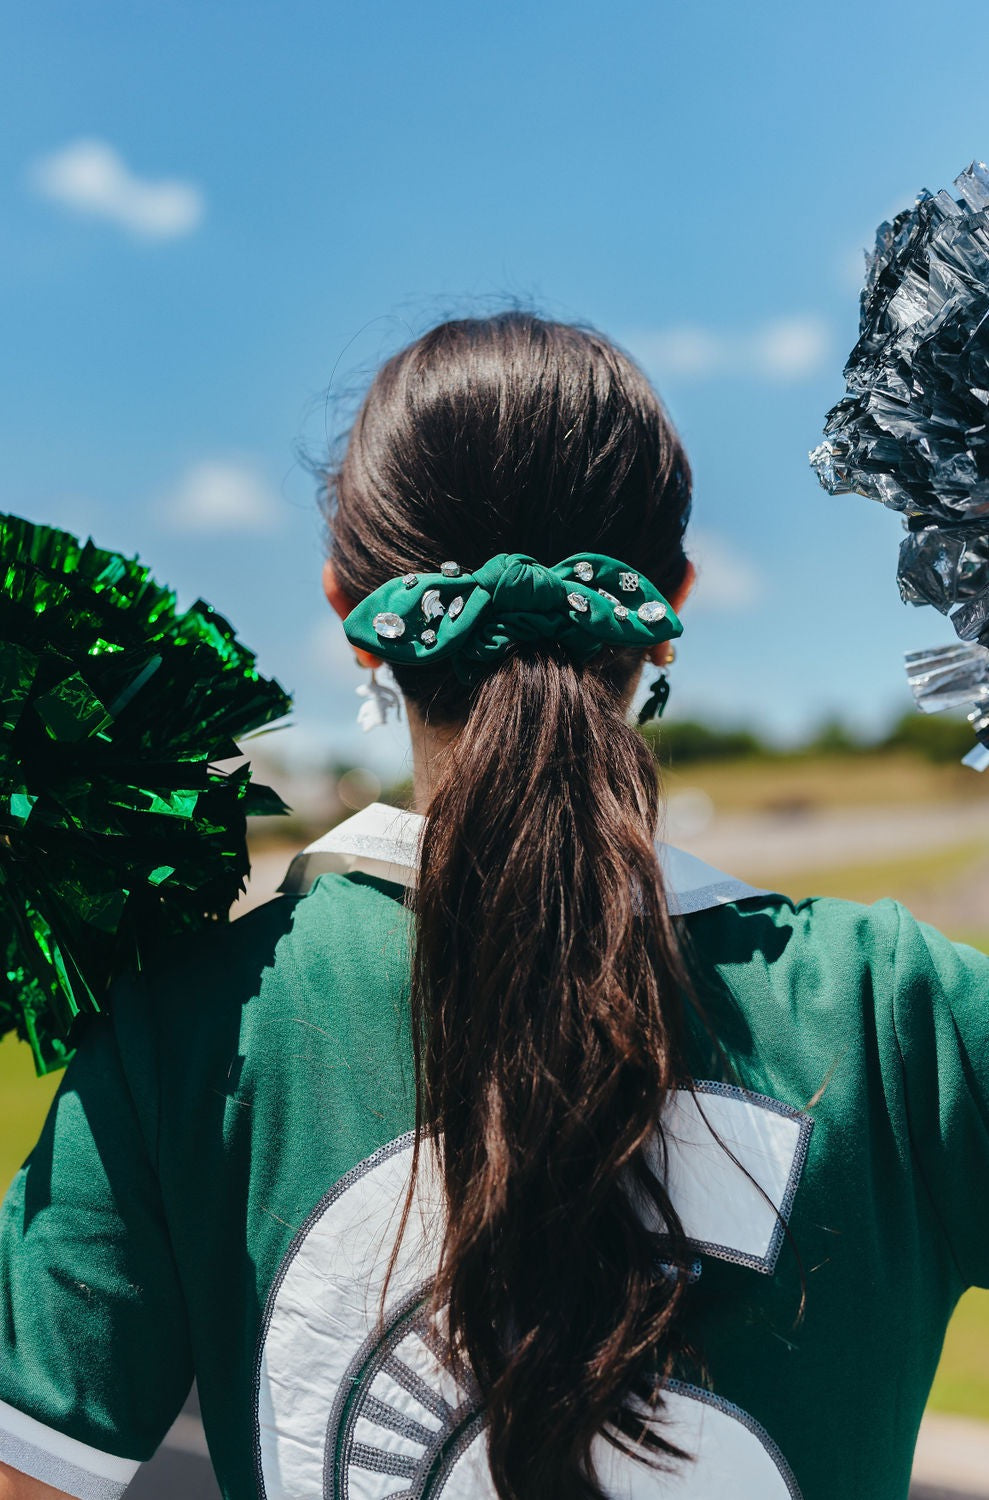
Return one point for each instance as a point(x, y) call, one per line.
point(547, 984)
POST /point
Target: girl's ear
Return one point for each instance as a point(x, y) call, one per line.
point(340, 602)
point(663, 653)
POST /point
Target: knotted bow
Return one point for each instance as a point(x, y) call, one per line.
point(586, 602)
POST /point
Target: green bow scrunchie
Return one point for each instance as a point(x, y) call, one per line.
point(587, 601)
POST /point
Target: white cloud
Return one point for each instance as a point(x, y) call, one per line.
point(782, 349)
point(791, 348)
point(220, 496)
point(687, 351)
point(726, 580)
point(91, 177)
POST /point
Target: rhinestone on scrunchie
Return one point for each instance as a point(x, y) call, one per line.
point(428, 637)
point(450, 569)
point(652, 611)
point(410, 580)
point(389, 626)
point(628, 582)
point(455, 606)
point(583, 571)
point(610, 597)
point(621, 613)
point(432, 605)
point(579, 603)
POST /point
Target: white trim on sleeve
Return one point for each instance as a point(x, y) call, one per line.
point(63, 1462)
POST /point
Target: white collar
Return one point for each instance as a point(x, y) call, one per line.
point(384, 841)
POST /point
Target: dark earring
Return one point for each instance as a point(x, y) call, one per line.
point(656, 702)
point(659, 693)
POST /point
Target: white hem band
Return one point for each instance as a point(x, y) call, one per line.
point(65, 1463)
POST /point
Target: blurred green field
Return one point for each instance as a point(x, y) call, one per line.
point(921, 881)
point(803, 781)
point(962, 1383)
point(24, 1101)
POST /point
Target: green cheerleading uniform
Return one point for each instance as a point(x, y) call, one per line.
point(216, 1192)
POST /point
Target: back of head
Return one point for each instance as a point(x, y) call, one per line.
point(546, 984)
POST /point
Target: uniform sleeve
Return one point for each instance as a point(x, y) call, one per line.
point(95, 1357)
point(941, 1019)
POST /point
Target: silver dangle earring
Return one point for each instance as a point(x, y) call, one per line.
point(377, 701)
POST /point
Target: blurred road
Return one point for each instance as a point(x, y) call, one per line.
point(766, 846)
point(952, 1461)
point(181, 1469)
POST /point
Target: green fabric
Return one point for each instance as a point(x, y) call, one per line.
point(510, 598)
point(198, 1126)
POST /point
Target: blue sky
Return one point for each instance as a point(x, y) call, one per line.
point(216, 219)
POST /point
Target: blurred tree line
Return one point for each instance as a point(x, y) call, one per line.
point(321, 797)
point(939, 738)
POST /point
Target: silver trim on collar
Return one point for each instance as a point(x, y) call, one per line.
point(384, 841)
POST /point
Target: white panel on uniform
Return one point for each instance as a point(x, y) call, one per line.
point(349, 1405)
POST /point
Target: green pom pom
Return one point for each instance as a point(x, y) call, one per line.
point(117, 829)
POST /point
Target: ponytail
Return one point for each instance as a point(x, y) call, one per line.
point(547, 1015)
point(547, 990)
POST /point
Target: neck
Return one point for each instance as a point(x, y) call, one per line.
point(431, 744)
